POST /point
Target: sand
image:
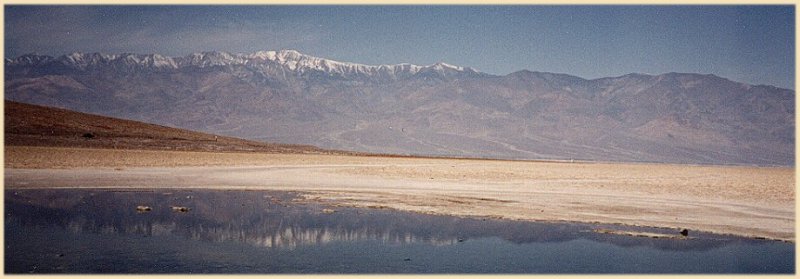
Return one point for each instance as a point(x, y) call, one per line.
point(745, 201)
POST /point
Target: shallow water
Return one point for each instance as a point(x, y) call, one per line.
point(100, 231)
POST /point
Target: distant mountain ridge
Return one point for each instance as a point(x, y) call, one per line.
point(290, 60)
point(440, 109)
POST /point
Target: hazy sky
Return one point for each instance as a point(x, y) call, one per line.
point(752, 44)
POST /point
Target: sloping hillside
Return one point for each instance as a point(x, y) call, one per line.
point(32, 125)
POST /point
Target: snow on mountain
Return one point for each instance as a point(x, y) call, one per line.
point(297, 61)
point(440, 109)
point(290, 60)
point(209, 59)
point(30, 59)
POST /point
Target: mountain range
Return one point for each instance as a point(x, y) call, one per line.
point(442, 110)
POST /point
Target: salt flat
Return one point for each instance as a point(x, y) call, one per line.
point(747, 201)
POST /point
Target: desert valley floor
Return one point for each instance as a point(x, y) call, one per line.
point(747, 201)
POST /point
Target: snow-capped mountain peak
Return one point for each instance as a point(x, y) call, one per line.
point(288, 59)
point(442, 66)
point(296, 61)
point(30, 59)
point(302, 63)
point(209, 59)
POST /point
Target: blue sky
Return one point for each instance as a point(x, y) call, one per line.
point(752, 44)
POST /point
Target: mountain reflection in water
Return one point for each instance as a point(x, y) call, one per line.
point(277, 220)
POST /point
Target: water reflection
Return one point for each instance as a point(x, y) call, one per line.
point(274, 220)
point(96, 231)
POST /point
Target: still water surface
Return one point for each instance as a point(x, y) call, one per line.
point(100, 231)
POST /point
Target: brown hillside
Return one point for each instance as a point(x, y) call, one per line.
point(31, 125)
